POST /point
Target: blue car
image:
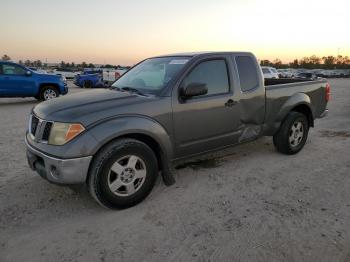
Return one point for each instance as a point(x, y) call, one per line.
point(88, 80)
point(19, 81)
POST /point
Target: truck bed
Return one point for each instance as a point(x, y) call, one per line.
point(281, 93)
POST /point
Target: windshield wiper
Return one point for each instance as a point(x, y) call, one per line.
point(131, 89)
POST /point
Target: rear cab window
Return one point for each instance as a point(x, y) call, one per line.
point(248, 74)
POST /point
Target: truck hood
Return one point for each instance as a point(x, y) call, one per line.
point(87, 107)
point(48, 76)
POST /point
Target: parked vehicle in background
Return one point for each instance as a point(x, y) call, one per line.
point(19, 81)
point(109, 76)
point(90, 71)
point(165, 109)
point(66, 72)
point(269, 72)
point(347, 73)
point(285, 73)
point(89, 80)
point(38, 70)
point(311, 76)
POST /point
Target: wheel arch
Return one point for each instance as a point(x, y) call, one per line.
point(305, 110)
point(298, 102)
point(43, 85)
point(139, 128)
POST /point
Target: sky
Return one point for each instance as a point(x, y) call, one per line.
point(124, 32)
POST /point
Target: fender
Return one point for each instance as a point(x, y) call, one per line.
point(128, 125)
point(294, 101)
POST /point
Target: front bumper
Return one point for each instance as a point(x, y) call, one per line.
point(64, 89)
point(57, 170)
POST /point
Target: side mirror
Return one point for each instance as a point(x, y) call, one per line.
point(28, 73)
point(194, 89)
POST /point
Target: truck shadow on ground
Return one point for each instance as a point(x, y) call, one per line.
point(8, 102)
point(217, 159)
point(37, 194)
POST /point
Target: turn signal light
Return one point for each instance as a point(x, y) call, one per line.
point(73, 131)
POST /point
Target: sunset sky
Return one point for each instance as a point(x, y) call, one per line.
point(123, 32)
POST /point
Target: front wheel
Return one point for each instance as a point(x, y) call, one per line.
point(292, 135)
point(123, 173)
point(48, 93)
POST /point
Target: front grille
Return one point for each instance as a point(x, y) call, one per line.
point(40, 129)
point(34, 124)
point(47, 130)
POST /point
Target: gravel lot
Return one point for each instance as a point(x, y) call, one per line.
point(253, 204)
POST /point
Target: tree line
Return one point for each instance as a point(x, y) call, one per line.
point(312, 62)
point(62, 64)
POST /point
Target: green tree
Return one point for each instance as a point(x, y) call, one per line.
point(27, 63)
point(277, 63)
point(6, 58)
point(37, 63)
point(265, 63)
point(315, 61)
point(294, 64)
point(329, 61)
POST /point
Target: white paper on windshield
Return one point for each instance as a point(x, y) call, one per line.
point(178, 62)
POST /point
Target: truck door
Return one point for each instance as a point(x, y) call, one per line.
point(15, 82)
point(2, 83)
point(250, 96)
point(208, 121)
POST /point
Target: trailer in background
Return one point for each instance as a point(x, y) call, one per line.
point(109, 76)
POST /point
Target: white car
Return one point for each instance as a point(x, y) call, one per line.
point(269, 72)
point(68, 74)
point(286, 73)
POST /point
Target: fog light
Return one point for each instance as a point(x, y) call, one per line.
point(54, 172)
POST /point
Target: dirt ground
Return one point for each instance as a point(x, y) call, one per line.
point(253, 204)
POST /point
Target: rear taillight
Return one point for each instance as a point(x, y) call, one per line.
point(328, 92)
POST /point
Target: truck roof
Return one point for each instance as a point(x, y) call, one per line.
point(192, 54)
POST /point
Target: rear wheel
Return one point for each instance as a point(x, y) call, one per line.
point(123, 173)
point(48, 93)
point(292, 135)
point(87, 84)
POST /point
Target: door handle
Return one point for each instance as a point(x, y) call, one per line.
point(230, 103)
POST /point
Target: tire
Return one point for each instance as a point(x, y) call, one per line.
point(122, 174)
point(292, 135)
point(87, 84)
point(48, 93)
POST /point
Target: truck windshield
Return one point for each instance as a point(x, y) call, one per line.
point(151, 75)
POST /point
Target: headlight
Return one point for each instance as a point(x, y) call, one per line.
point(61, 133)
point(63, 79)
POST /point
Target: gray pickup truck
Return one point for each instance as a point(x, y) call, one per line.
point(165, 109)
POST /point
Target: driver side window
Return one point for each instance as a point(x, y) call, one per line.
point(13, 70)
point(213, 73)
